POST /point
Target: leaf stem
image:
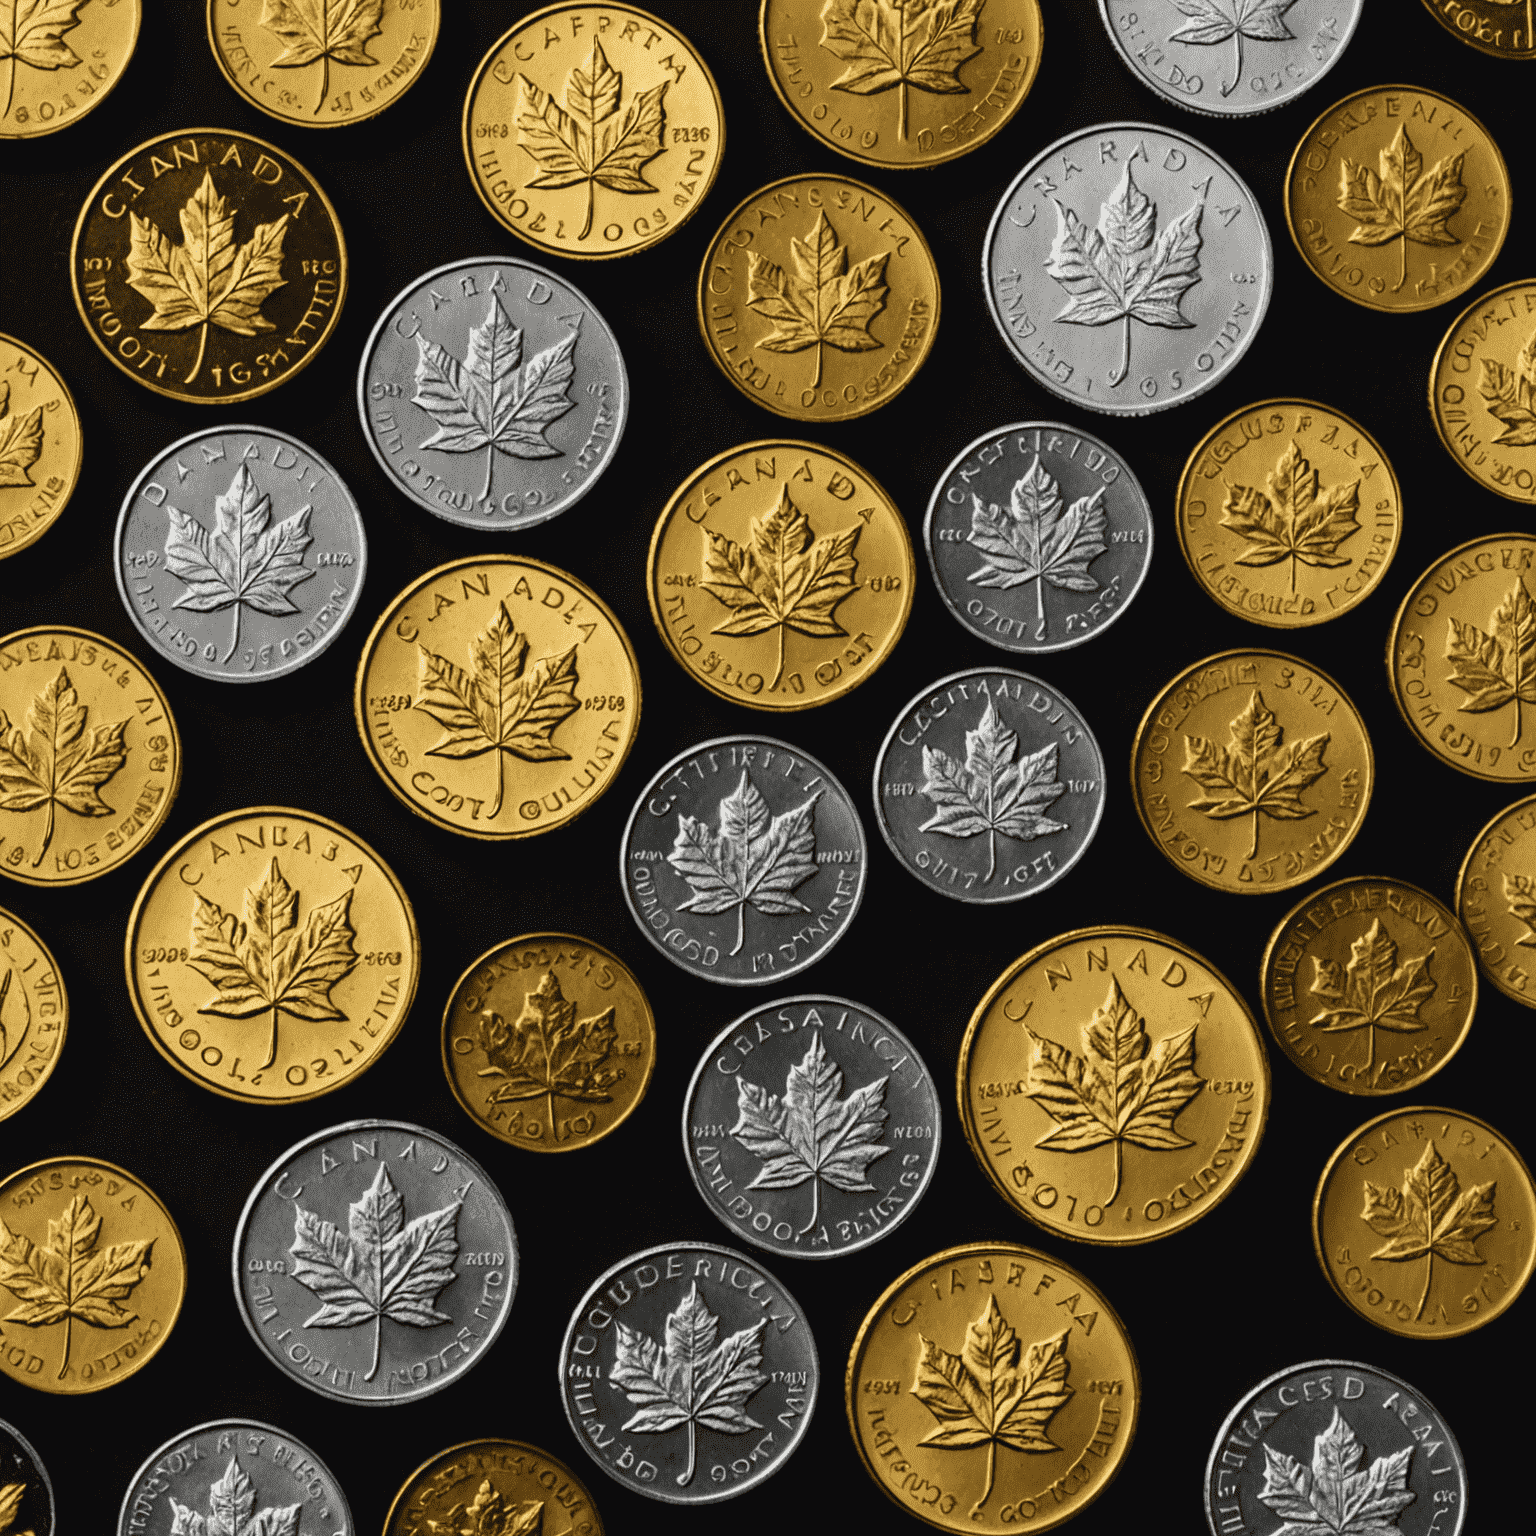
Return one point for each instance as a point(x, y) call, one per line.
point(686, 1475)
point(490, 465)
point(1515, 739)
point(10, 86)
point(325, 82)
point(780, 673)
point(552, 1132)
point(1237, 73)
point(378, 1330)
point(69, 1321)
point(815, 1205)
point(1429, 1274)
point(1040, 603)
point(586, 229)
point(1109, 1199)
point(1118, 378)
point(986, 1493)
point(991, 852)
point(501, 780)
point(741, 926)
point(234, 642)
point(1403, 277)
point(1253, 850)
point(271, 1044)
point(901, 111)
point(202, 346)
point(48, 833)
point(816, 377)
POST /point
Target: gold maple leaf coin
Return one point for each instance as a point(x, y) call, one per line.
point(1503, 29)
point(59, 59)
point(40, 446)
point(1496, 900)
point(34, 1014)
point(493, 1488)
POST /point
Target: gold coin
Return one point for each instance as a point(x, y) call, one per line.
point(593, 130)
point(40, 446)
point(548, 1042)
point(498, 697)
point(1496, 900)
point(1252, 771)
point(62, 60)
point(97, 1272)
point(1288, 513)
point(34, 1014)
point(89, 754)
point(1425, 1223)
point(1502, 28)
point(1398, 198)
point(909, 95)
point(986, 1325)
point(494, 1486)
point(272, 955)
point(1369, 986)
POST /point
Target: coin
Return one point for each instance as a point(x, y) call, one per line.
point(498, 682)
point(1279, 771)
point(514, 370)
point(1412, 209)
point(96, 1268)
point(819, 298)
point(1496, 893)
point(40, 446)
point(208, 265)
point(342, 1211)
point(34, 1014)
point(995, 1324)
point(548, 1042)
point(90, 753)
point(59, 64)
point(788, 596)
point(1179, 216)
point(707, 1367)
point(1491, 26)
point(490, 1486)
point(1416, 1186)
point(25, 1482)
point(743, 860)
point(271, 955)
point(593, 130)
point(1308, 513)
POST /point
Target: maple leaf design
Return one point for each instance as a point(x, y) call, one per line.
point(32, 32)
point(10, 1505)
point(232, 1510)
point(1499, 668)
point(1373, 991)
point(1510, 396)
point(1294, 522)
point(21, 441)
point(1214, 21)
point(1333, 1495)
point(1520, 896)
point(488, 1514)
point(323, 30)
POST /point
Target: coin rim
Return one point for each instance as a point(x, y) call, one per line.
point(42, 1474)
point(1491, 53)
point(101, 95)
point(1488, 974)
point(74, 474)
point(15, 1106)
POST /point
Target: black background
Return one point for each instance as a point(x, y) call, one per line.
point(1209, 1310)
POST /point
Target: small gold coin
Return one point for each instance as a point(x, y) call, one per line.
point(1288, 513)
point(1252, 771)
point(1398, 198)
point(272, 955)
point(1496, 900)
point(498, 697)
point(1369, 986)
point(992, 1324)
point(494, 1486)
point(593, 130)
point(819, 298)
point(62, 60)
point(34, 1014)
point(89, 754)
point(1425, 1223)
point(1502, 28)
point(95, 1270)
point(40, 445)
point(780, 575)
point(908, 95)
point(548, 1042)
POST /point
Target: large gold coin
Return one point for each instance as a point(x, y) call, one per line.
point(34, 1014)
point(1398, 198)
point(61, 60)
point(272, 955)
point(95, 1272)
point(819, 298)
point(1104, 1027)
point(1496, 900)
point(89, 755)
point(1288, 513)
point(1425, 1223)
point(1502, 28)
point(494, 1486)
point(958, 1339)
point(1252, 771)
point(780, 575)
point(40, 447)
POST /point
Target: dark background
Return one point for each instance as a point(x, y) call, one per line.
point(1209, 1310)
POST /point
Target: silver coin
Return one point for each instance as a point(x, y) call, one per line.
point(1038, 536)
point(1128, 268)
point(493, 393)
point(743, 860)
point(239, 553)
point(1329, 1437)
point(688, 1373)
point(375, 1262)
point(22, 1469)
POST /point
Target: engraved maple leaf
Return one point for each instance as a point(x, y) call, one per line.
point(1520, 896)
point(11, 1496)
point(1498, 668)
point(1510, 396)
point(32, 32)
point(232, 1510)
point(488, 1514)
point(21, 441)
point(1214, 21)
point(322, 30)
point(1333, 1497)
point(1297, 521)
point(1373, 991)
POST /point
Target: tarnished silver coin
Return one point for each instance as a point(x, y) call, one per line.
point(375, 1262)
point(239, 553)
point(1333, 1445)
point(26, 1495)
point(990, 786)
point(743, 860)
point(688, 1373)
point(493, 393)
point(1128, 268)
point(1038, 535)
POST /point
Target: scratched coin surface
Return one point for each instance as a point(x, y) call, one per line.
point(1502, 28)
point(34, 1014)
point(271, 955)
point(990, 1324)
point(491, 1486)
point(1128, 268)
point(61, 60)
point(375, 1263)
point(744, 860)
point(688, 1373)
point(24, 1484)
point(1496, 900)
point(40, 445)
point(493, 393)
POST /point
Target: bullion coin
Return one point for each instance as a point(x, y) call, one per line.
point(61, 60)
point(1496, 900)
point(1499, 28)
point(40, 446)
point(26, 1495)
point(493, 1488)
point(34, 1015)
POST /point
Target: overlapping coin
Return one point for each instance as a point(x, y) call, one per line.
point(40, 446)
point(1496, 900)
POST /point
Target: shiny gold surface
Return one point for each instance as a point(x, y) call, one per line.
point(34, 1014)
point(70, 66)
point(494, 1486)
point(41, 452)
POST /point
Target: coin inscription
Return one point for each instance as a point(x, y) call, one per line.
point(61, 60)
point(34, 1014)
point(1496, 899)
point(40, 445)
point(494, 1488)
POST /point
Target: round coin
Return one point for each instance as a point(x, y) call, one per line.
point(571, 78)
point(375, 1262)
point(271, 955)
point(40, 431)
point(26, 1484)
point(949, 1334)
point(34, 1014)
point(1113, 1026)
point(493, 1486)
point(60, 64)
point(789, 595)
point(244, 214)
point(1425, 1223)
point(1496, 894)
point(1491, 26)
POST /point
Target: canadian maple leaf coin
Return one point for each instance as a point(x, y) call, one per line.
point(40, 446)
point(493, 1488)
point(26, 1494)
point(34, 1015)
point(1504, 29)
point(59, 59)
point(1496, 900)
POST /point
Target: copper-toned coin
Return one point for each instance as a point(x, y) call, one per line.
point(1496, 900)
point(61, 58)
point(34, 1014)
point(1503, 28)
point(493, 1488)
point(40, 447)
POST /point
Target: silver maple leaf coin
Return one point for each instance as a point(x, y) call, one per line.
point(493, 393)
point(1038, 536)
point(689, 1374)
point(26, 1495)
point(375, 1262)
point(743, 860)
point(239, 553)
point(1335, 1448)
point(1128, 268)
